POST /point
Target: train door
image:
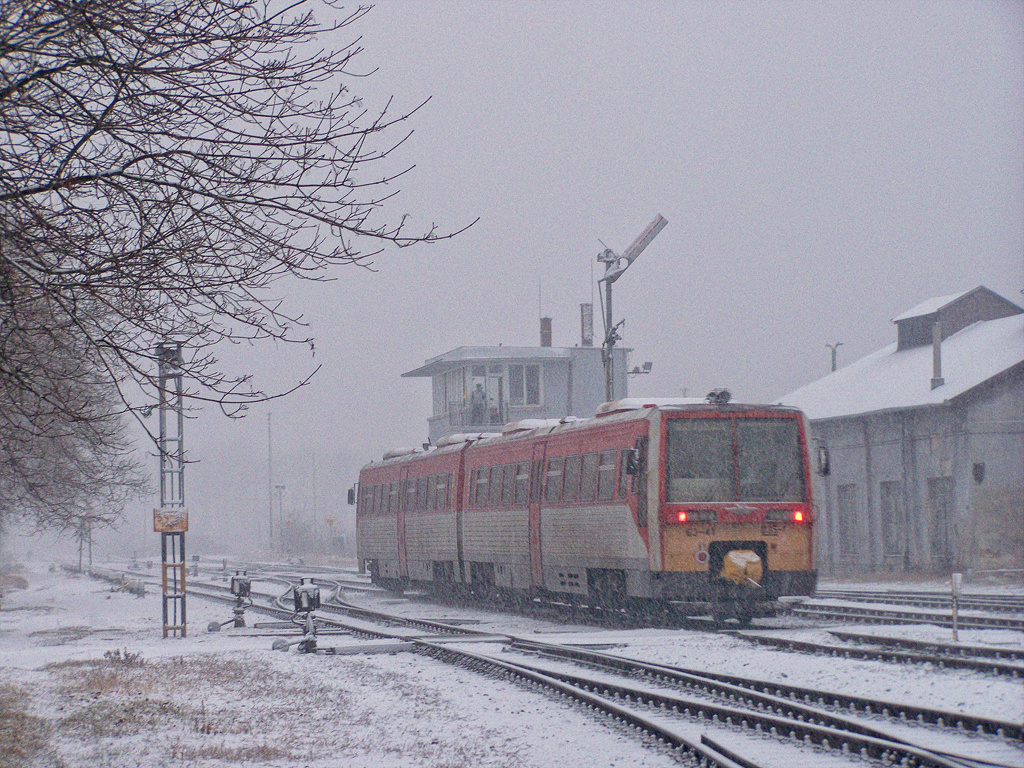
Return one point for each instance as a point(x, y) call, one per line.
point(536, 494)
point(402, 503)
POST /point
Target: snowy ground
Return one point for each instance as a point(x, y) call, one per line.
point(86, 680)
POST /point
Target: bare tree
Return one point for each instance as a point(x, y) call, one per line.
point(163, 162)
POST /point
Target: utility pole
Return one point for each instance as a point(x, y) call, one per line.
point(270, 485)
point(835, 348)
point(614, 266)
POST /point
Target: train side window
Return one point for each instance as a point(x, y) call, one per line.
point(522, 483)
point(606, 476)
point(553, 486)
point(421, 491)
point(494, 495)
point(588, 477)
point(571, 489)
point(508, 486)
point(378, 495)
point(480, 497)
point(624, 459)
point(440, 491)
point(429, 492)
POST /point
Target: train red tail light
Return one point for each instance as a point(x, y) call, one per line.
point(682, 517)
point(798, 516)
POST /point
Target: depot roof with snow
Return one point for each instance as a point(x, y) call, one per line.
point(981, 334)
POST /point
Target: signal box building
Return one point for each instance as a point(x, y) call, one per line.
point(479, 389)
point(926, 444)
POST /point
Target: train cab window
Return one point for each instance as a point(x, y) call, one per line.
point(588, 477)
point(480, 497)
point(494, 493)
point(553, 486)
point(522, 483)
point(508, 485)
point(606, 476)
point(571, 489)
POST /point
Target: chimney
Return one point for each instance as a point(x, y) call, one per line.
point(586, 325)
point(937, 380)
point(545, 331)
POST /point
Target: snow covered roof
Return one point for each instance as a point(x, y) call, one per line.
point(891, 380)
point(931, 306)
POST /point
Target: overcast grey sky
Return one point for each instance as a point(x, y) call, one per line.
point(823, 167)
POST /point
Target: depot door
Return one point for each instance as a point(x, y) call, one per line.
point(536, 494)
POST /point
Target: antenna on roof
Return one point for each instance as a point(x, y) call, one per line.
point(835, 348)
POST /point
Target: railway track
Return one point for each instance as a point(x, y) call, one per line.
point(977, 602)
point(883, 615)
point(886, 652)
point(714, 709)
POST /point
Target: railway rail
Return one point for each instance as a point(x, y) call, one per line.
point(879, 615)
point(886, 653)
point(801, 717)
point(978, 602)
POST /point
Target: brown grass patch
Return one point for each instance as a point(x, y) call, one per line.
point(23, 737)
point(230, 754)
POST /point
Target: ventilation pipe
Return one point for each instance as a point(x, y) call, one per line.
point(545, 331)
point(586, 325)
point(937, 380)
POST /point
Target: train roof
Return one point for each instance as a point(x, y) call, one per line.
point(615, 411)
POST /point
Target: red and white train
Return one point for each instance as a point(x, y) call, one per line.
point(679, 500)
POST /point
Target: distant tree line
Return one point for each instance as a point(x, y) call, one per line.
point(162, 164)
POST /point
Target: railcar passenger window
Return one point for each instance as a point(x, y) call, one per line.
point(553, 487)
point(522, 483)
point(571, 490)
point(421, 493)
point(624, 455)
point(429, 496)
point(410, 494)
point(508, 487)
point(441, 492)
point(588, 477)
point(481, 486)
point(494, 493)
point(376, 499)
point(606, 476)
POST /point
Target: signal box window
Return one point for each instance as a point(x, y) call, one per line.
point(522, 483)
point(533, 385)
point(571, 491)
point(588, 477)
point(553, 487)
point(606, 476)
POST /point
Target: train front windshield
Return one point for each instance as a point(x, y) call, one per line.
point(734, 459)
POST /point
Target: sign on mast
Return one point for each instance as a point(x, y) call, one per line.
point(614, 266)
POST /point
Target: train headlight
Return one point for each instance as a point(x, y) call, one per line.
point(784, 516)
point(697, 516)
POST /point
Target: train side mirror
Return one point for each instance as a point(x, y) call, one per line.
point(351, 495)
point(824, 467)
